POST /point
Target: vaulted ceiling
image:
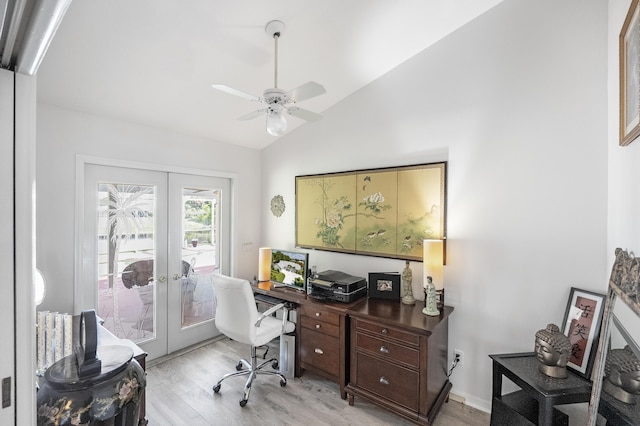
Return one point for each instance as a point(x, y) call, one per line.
point(153, 62)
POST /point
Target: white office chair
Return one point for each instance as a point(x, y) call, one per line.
point(238, 318)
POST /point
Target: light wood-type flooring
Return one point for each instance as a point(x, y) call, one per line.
point(179, 392)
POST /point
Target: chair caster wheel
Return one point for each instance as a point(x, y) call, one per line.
point(274, 365)
point(216, 388)
point(243, 402)
point(283, 383)
point(239, 366)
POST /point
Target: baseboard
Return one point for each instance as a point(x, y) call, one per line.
point(175, 354)
point(456, 398)
point(478, 404)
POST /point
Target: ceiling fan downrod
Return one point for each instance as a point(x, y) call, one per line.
point(275, 29)
point(276, 36)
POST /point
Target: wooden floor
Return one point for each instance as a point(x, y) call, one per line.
point(179, 392)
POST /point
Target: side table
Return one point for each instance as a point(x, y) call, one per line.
point(539, 394)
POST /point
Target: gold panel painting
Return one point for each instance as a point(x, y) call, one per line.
point(379, 212)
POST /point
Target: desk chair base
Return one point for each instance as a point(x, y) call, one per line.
point(253, 369)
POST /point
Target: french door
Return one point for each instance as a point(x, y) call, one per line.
point(152, 241)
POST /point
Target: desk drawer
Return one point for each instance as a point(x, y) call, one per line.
point(320, 350)
point(389, 381)
point(388, 332)
point(321, 326)
point(313, 311)
point(390, 351)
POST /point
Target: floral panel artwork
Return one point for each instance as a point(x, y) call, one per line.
point(380, 212)
point(377, 210)
point(326, 212)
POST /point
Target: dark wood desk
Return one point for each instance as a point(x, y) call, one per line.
point(322, 333)
point(359, 344)
point(515, 408)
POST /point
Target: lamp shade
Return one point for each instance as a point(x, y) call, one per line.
point(264, 264)
point(276, 123)
point(40, 287)
point(433, 257)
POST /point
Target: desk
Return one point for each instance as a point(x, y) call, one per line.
point(338, 341)
point(322, 333)
point(515, 408)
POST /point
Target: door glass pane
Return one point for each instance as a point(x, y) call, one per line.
point(200, 255)
point(125, 259)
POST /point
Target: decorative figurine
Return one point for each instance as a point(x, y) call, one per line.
point(552, 350)
point(407, 288)
point(430, 300)
point(622, 375)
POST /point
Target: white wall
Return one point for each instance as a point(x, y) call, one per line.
point(516, 102)
point(63, 134)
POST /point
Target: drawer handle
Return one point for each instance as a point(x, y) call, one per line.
point(317, 314)
point(318, 326)
point(384, 380)
point(384, 331)
point(384, 350)
point(319, 351)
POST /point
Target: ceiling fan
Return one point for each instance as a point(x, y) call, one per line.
point(276, 100)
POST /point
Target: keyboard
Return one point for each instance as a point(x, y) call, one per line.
point(267, 299)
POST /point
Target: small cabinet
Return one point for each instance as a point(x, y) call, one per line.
point(398, 358)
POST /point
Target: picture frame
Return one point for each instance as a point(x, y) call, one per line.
point(384, 285)
point(629, 43)
point(582, 322)
point(383, 212)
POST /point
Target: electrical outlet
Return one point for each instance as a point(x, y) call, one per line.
point(457, 353)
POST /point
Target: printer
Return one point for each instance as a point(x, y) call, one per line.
point(336, 286)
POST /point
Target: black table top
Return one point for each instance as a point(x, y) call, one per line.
point(524, 366)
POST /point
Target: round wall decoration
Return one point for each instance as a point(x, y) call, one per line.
point(277, 205)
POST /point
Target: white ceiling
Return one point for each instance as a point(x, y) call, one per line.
point(153, 61)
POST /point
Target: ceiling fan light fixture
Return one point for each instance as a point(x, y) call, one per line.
point(278, 101)
point(276, 123)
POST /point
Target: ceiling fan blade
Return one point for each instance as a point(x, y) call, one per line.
point(304, 114)
point(232, 91)
point(252, 115)
point(306, 91)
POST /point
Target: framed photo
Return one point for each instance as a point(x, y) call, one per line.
point(383, 285)
point(582, 321)
point(630, 76)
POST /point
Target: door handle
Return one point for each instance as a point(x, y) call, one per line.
point(162, 279)
point(176, 277)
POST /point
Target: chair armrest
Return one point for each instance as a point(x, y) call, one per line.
point(270, 312)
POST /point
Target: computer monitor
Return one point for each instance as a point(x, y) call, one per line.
point(289, 268)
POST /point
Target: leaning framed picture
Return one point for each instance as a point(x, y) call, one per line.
point(384, 285)
point(582, 321)
point(630, 76)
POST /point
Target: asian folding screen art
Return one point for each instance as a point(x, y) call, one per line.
point(384, 212)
